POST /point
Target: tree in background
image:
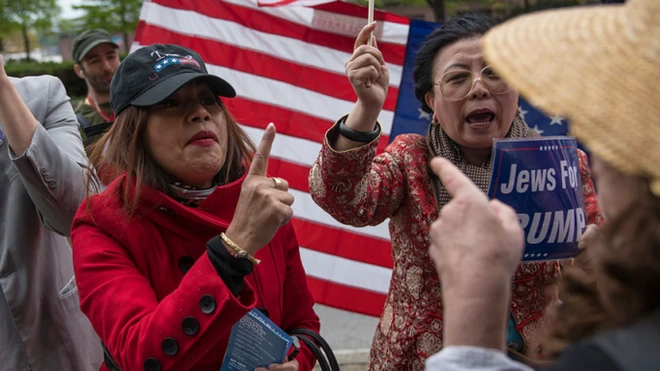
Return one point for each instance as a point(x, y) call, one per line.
point(27, 15)
point(6, 24)
point(498, 9)
point(112, 15)
point(527, 6)
point(442, 9)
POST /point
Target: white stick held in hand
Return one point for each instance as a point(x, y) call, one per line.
point(370, 18)
point(370, 42)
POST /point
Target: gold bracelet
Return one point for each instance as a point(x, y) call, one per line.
point(240, 253)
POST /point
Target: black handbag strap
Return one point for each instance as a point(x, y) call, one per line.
point(323, 363)
point(311, 338)
point(326, 359)
point(109, 361)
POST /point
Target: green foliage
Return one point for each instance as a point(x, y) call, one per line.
point(387, 3)
point(541, 5)
point(75, 86)
point(70, 26)
point(37, 14)
point(499, 9)
point(27, 15)
point(442, 8)
point(7, 24)
point(112, 15)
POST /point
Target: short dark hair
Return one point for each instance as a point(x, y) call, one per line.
point(463, 27)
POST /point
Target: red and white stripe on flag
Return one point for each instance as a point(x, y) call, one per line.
point(287, 65)
point(292, 2)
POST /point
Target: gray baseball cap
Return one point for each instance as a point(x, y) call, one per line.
point(88, 40)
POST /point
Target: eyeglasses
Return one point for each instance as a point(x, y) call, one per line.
point(457, 85)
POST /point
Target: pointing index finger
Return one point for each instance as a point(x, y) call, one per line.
point(259, 164)
point(456, 183)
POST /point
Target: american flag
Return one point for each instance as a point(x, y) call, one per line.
point(291, 2)
point(287, 65)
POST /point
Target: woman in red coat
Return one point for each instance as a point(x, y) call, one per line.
point(167, 257)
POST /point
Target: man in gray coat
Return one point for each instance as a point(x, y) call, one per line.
point(42, 183)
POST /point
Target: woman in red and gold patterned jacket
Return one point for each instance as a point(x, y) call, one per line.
point(470, 106)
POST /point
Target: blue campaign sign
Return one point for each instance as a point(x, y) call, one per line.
point(540, 179)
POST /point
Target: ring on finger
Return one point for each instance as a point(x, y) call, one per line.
point(277, 182)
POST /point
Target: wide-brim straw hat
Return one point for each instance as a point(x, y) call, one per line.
point(597, 65)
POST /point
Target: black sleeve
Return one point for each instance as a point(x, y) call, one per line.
point(232, 270)
point(584, 357)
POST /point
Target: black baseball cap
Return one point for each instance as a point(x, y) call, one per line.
point(152, 73)
point(87, 40)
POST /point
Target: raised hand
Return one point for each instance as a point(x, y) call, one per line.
point(473, 236)
point(264, 204)
point(367, 71)
point(476, 246)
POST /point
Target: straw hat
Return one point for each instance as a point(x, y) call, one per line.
point(597, 65)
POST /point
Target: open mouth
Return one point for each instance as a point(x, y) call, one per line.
point(480, 118)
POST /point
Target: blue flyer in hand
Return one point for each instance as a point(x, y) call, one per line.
point(540, 179)
point(255, 341)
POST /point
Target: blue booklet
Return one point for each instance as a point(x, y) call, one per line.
point(255, 341)
point(540, 179)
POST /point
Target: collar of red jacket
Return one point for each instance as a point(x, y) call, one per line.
point(216, 211)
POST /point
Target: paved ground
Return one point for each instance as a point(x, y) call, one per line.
point(347, 367)
point(348, 334)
